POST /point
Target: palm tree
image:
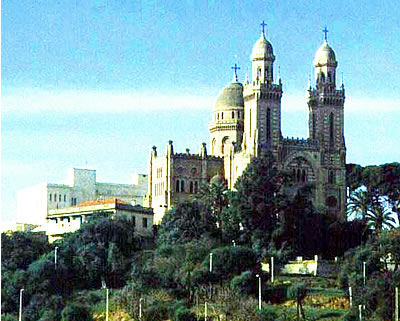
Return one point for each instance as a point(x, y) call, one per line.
point(360, 203)
point(379, 217)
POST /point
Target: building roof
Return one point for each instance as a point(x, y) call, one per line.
point(88, 207)
point(231, 96)
point(262, 49)
point(325, 55)
point(101, 202)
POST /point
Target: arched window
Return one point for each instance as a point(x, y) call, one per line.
point(303, 175)
point(182, 185)
point(322, 77)
point(331, 130)
point(294, 173)
point(331, 201)
point(213, 146)
point(233, 115)
point(191, 187)
point(250, 122)
point(298, 175)
point(217, 116)
point(196, 187)
point(177, 185)
point(222, 115)
point(314, 124)
point(329, 76)
point(331, 177)
point(268, 124)
point(225, 142)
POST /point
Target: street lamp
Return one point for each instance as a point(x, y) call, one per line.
point(104, 286)
point(364, 271)
point(55, 256)
point(272, 269)
point(259, 291)
point(233, 243)
point(140, 308)
point(20, 304)
point(211, 262)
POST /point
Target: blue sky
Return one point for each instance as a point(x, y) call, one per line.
point(98, 82)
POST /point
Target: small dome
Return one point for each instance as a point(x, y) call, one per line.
point(325, 56)
point(231, 96)
point(262, 49)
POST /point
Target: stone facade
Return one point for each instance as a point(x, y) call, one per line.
point(34, 203)
point(176, 177)
point(246, 122)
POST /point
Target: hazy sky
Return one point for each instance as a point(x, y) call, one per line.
point(98, 82)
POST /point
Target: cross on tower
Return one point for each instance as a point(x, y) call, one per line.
point(263, 25)
point(325, 31)
point(235, 67)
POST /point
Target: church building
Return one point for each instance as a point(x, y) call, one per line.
point(246, 122)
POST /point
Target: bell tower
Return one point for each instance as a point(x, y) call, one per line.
point(262, 99)
point(326, 128)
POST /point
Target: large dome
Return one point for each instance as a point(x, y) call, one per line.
point(230, 96)
point(262, 49)
point(325, 56)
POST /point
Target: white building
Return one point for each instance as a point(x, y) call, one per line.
point(67, 220)
point(34, 203)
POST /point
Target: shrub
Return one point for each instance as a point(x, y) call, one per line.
point(75, 312)
point(184, 314)
point(244, 283)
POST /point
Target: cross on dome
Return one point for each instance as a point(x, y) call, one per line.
point(235, 68)
point(263, 25)
point(325, 31)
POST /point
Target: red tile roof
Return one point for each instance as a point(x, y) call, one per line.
point(99, 202)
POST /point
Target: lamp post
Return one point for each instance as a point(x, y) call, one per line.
point(259, 291)
point(205, 311)
point(272, 269)
point(55, 256)
point(140, 308)
point(350, 297)
point(104, 286)
point(20, 304)
point(211, 262)
point(233, 243)
point(364, 272)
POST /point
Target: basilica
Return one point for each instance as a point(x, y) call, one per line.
point(246, 121)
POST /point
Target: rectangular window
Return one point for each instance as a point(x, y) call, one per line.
point(144, 222)
point(55, 197)
point(65, 198)
point(59, 198)
point(50, 197)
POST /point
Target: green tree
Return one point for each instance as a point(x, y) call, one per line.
point(19, 249)
point(256, 203)
point(186, 222)
point(380, 217)
point(359, 204)
point(75, 312)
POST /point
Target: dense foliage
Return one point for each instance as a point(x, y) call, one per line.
point(210, 250)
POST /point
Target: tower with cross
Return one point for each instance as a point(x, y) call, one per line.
point(246, 123)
